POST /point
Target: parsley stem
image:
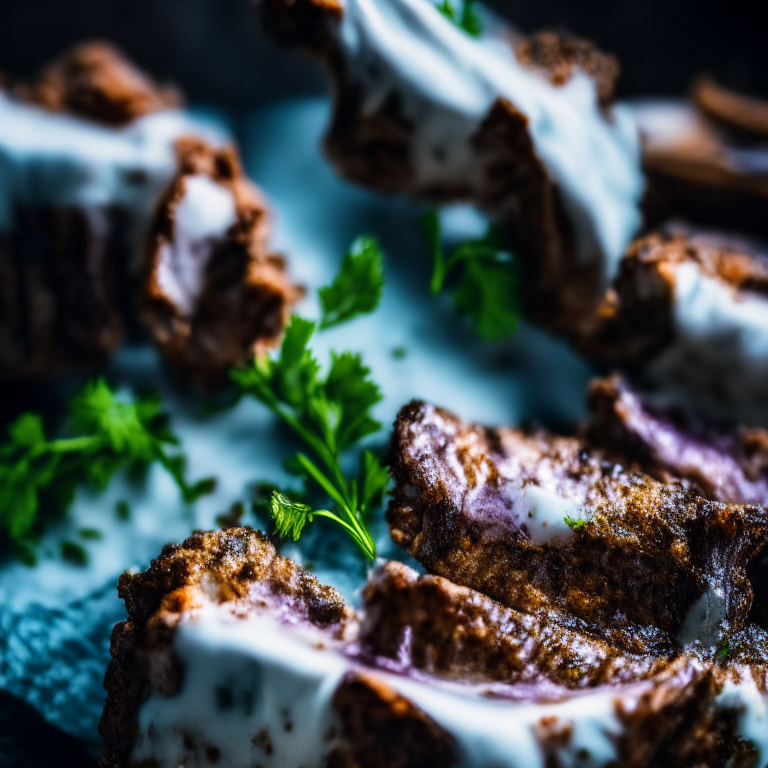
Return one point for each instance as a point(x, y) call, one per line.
point(311, 469)
point(363, 540)
point(334, 493)
point(73, 444)
point(323, 453)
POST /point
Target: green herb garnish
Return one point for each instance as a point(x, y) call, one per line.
point(574, 523)
point(74, 553)
point(123, 510)
point(105, 433)
point(331, 412)
point(724, 648)
point(467, 19)
point(90, 534)
point(487, 286)
point(358, 286)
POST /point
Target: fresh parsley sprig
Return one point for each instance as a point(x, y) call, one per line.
point(466, 18)
point(104, 433)
point(487, 287)
point(331, 412)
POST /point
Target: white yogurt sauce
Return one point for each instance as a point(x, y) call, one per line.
point(704, 619)
point(249, 676)
point(752, 705)
point(543, 512)
point(202, 217)
point(243, 678)
point(718, 359)
point(493, 733)
point(56, 159)
point(448, 82)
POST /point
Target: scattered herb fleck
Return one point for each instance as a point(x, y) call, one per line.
point(358, 286)
point(25, 553)
point(574, 523)
point(486, 287)
point(90, 534)
point(123, 510)
point(74, 553)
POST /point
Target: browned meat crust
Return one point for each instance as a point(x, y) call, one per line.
point(62, 269)
point(372, 147)
point(456, 633)
point(558, 56)
point(729, 465)
point(453, 632)
point(239, 566)
point(515, 184)
point(94, 81)
point(630, 575)
point(636, 319)
point(242, 302)
point(301, 23)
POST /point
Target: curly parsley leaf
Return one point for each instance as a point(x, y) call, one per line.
point(467, 18)
point(290, 516)
point(330, 411)
point(486, 287)
point(104, 434)
point(358, 286)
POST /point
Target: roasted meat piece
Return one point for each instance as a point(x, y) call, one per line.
point(637, 429)
point(521, 127)
point(213, 295)
point(691, 309)
point(453, 632)
point(234, 656)
point(228, 576)
point(547, 527)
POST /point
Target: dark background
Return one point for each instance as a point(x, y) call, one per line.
point(213, 48)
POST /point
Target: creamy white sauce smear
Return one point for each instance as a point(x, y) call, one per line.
point(718, 359)
point(448, 81)
point(704, 619)
point(544, 514)
point(201, 220)
point(268, 675)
